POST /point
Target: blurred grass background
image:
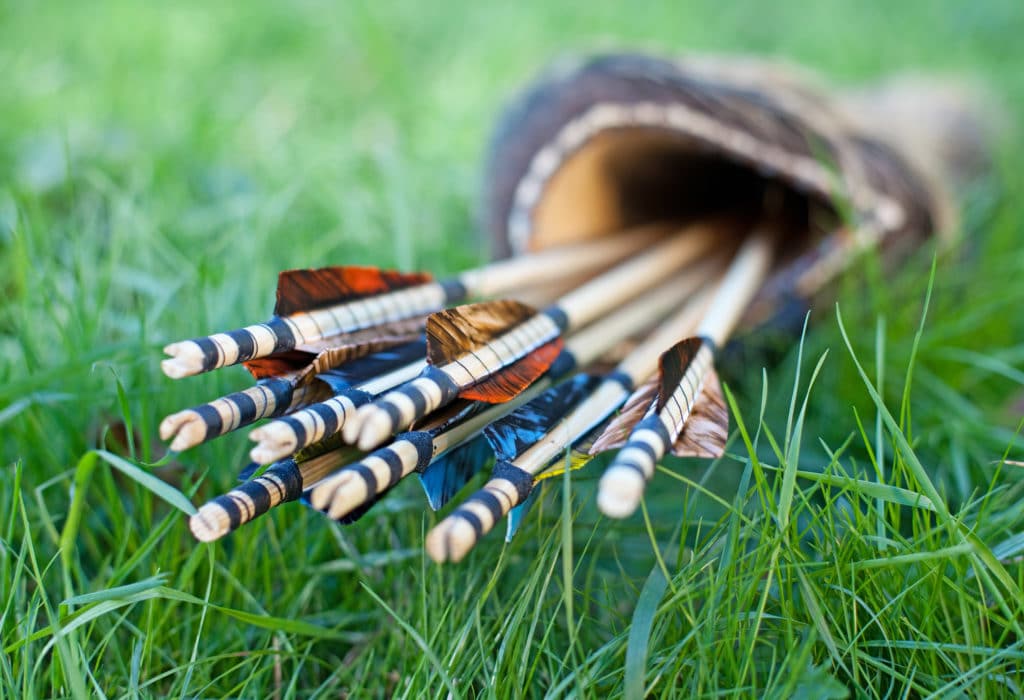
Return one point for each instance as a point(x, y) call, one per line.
point(162, 162)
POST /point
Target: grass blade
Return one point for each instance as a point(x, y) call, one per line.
point(640, 633)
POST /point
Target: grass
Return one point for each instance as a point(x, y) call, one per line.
point(863, 537)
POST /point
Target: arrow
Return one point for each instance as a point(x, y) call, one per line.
point(284, 436)
point(421, 451)
point(456, 455)
point(685, 369)
point(276, 395)
point(512, 480)
point(511, 435)
point(316, 304)
point(280, 483)
point(704, 433)
point(492, 351)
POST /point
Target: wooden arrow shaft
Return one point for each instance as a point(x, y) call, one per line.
point(284, 436)
point(203, 354)
point(641, 272)
point(744, 278)
point(283, 333)
point(507, 276)
point(356, 484)
point(399, 408)
point(622, 484)
point(347, 489)
point(280, 483)
point(654, 435)
point(267, 399)
point(439, 386)
point(610, 394)
point(511, 483)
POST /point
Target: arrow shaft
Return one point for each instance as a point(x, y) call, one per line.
point(438, 386)
point(640, 273)
point(342, 493)
point(356, 484)
point(280, 483)
point(611, 393)
point(475, 366)
point(284, 333)
point(512, 482)
point(503, 277)
point(268, 398)
point(741, 283)
point(622, 485)
point(654, 435)
point(287, 435)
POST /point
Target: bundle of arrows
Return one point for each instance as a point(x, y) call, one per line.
point(650, 209)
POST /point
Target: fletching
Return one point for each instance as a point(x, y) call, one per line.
point(454, 332)
point(379, 336)
point(672, 365)
point(307, 289)
point(509, 381)
point(463, 355)
point(636, 407)
point(578, 457)
point(509, 436)
point(279, 365)
point(446, 475)
point(353, 372)
point(517, 515)
point(704, 434)
point(707, 429)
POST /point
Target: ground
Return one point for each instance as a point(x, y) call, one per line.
point(162, 162)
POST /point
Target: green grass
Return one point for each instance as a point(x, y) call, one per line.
point(862, 538)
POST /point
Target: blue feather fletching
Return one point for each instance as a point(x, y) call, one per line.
point(517, 515)
point(512, 434)
point(364, 368)
point(446, 475)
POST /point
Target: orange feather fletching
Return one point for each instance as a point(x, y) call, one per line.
point(314, 288)
point(506, 384)
point(458, 331)
point(278, 365)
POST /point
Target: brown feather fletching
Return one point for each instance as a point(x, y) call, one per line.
point(307, 289)
point(456, 331)
point(705, 432)
point(507, 383)
point(636, 407)
point(672, 365)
